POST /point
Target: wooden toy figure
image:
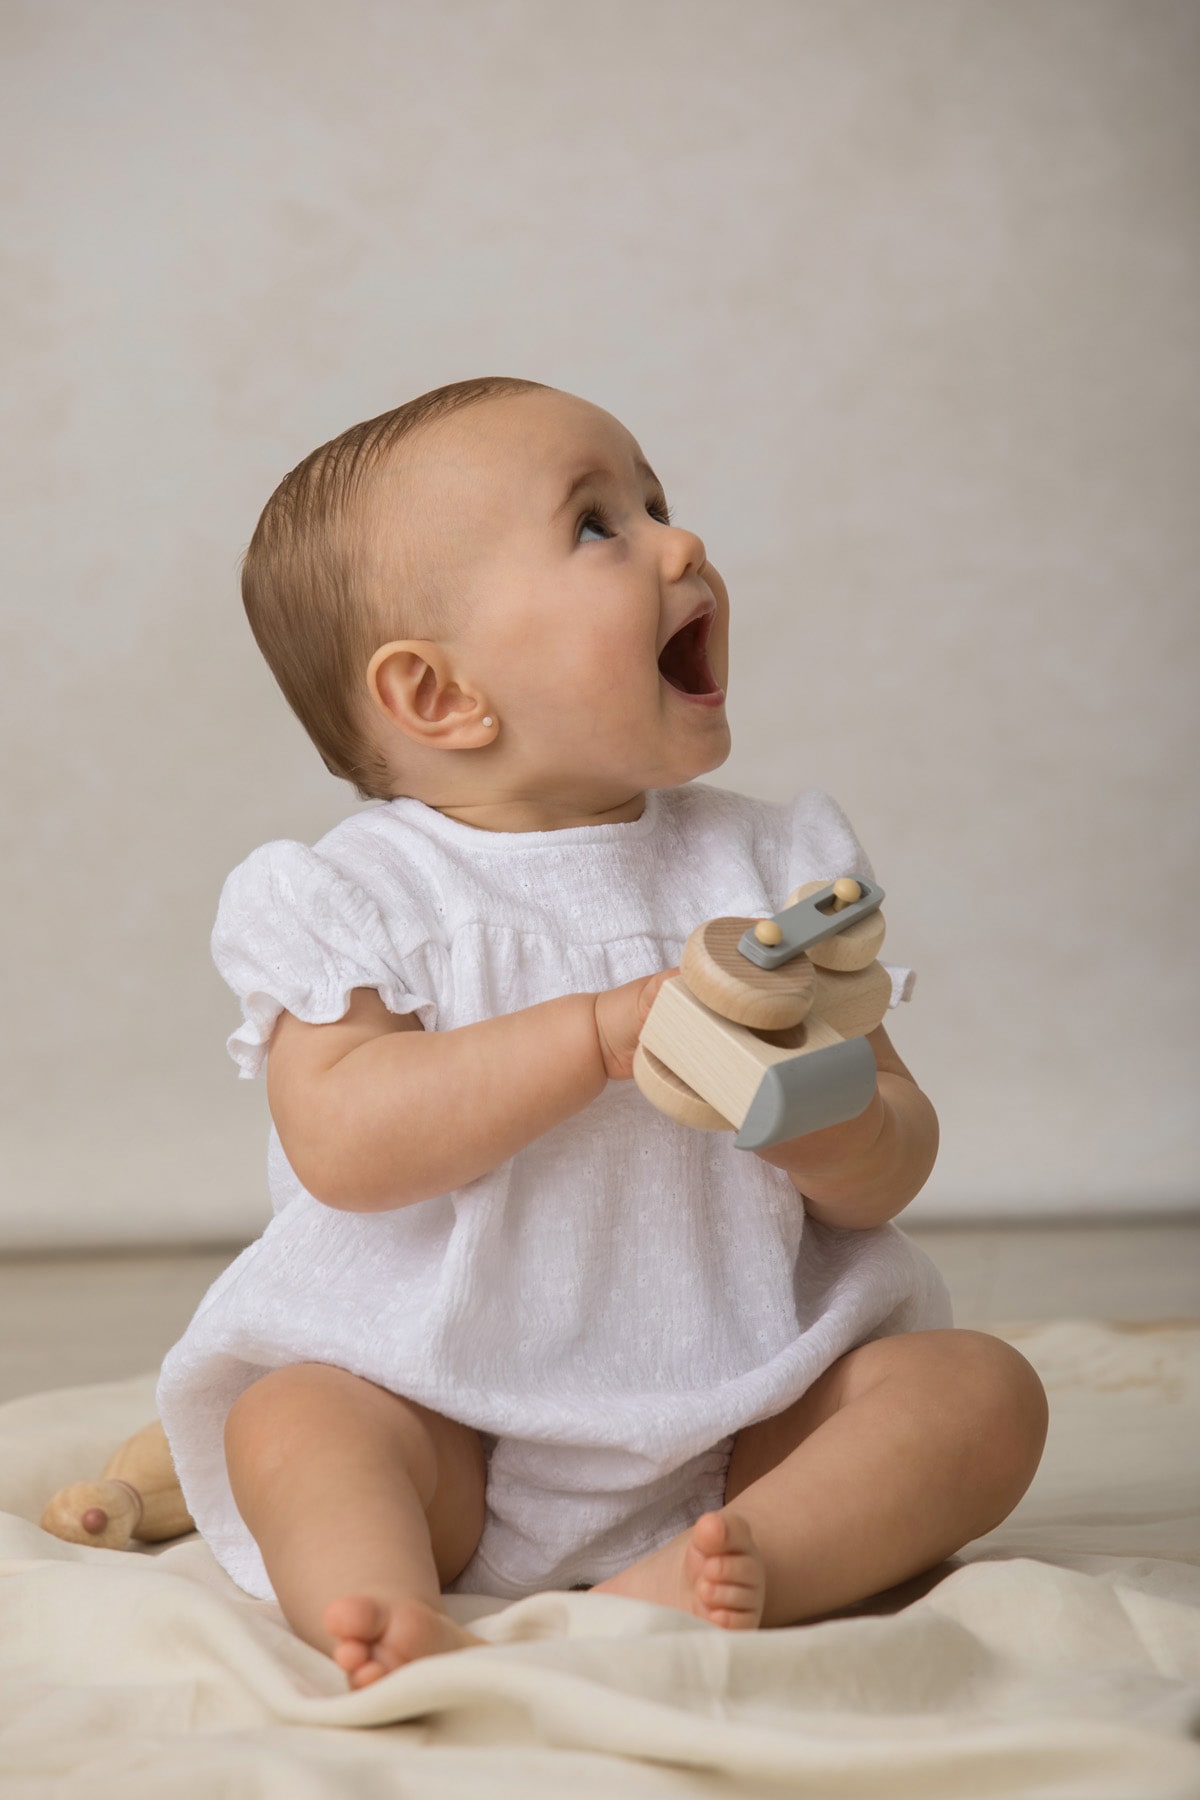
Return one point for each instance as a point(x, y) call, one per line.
point(762, 1031)
point(137, 1496)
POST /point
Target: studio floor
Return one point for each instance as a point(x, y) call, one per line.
point(68, 1320)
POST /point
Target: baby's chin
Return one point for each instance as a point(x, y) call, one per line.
point(684, 754)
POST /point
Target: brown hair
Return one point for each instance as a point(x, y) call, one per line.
point(307, 587)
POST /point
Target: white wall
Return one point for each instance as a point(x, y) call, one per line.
point(901, 297)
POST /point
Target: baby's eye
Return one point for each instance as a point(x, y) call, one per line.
point(597, 525)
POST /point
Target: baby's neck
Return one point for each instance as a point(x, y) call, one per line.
point(548, 814)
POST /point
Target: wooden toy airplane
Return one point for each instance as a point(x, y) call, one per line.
point(762, 1031)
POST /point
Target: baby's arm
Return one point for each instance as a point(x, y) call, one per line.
point(864, 1172)
point(375, 1113)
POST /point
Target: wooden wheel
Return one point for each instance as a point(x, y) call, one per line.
point(719, 975)
point(671, 1095)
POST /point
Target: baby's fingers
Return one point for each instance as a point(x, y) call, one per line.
point(620, 1015)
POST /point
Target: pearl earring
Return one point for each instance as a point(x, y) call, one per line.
point(489, 721)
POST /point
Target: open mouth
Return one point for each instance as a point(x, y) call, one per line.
point(683, 664)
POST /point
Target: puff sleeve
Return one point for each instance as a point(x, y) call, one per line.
point(825, 845)
point(294, 933)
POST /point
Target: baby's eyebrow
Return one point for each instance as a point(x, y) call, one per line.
point(590, 476)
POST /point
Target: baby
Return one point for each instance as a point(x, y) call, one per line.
point(510, 1328)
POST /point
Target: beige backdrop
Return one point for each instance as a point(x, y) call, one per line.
point(902, 299)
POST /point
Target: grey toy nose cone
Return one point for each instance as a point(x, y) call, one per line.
point(807, 1093)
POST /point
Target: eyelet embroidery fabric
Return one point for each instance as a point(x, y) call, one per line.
point(614, 1302)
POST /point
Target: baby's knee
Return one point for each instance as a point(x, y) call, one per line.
point(315, 1413)
point(280, 1417)
point(1010, 1411)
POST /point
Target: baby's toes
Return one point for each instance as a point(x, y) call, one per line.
point(354, 1616)
point(731, 1596)
point(363, 1628)
point(722, 1534)
point(726, 1570)
point(375, 1637)
point(714, 1537)
point(350, 1655)
point(369, 1672)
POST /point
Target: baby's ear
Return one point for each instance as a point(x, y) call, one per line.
point(411, 682)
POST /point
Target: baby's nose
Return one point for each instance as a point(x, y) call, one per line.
point(685, 552)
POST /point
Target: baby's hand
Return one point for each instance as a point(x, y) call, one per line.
point(620, 1014)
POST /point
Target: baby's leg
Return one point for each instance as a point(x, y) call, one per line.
point(902, 1452)
point(363, 1506)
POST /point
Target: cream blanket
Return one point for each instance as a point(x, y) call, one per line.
point(1058, 1657)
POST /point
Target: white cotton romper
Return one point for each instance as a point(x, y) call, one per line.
point(611, 1304)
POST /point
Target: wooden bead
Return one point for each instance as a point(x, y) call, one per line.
point(853, 948)
point(718, 974)
point(845, 892)
point(769, 933)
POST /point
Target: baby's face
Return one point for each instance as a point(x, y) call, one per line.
point(597, 632)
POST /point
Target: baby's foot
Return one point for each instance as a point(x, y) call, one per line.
point(714, 1571)
point(376, 1636)
point(725, 1572)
